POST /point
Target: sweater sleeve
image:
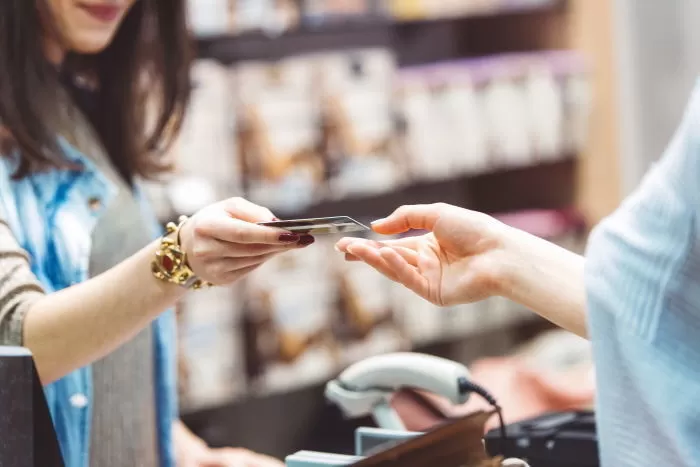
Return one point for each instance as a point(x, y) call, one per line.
point(19, 288)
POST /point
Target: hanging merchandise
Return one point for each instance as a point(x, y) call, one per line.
point(356, 90)
point(280, 133)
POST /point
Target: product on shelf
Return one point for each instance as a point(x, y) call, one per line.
point(506, 115)
point(356, 92)
point(424, 138)
point(411, 10)
point(210, 17)
point(324, 11)
point(546, 111)
point(270, 16)
point(491, 113)
point(207, 168)
point(212, 363)
point(280, 133)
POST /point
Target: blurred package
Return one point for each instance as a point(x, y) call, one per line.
point(365, 323)
point(206, 151)
point(546, 106)
point(507, 114)
point(290, 302)
point(212, 363)
point(411, 10)
point(210, 17)
point(459, 100)
point(356, 89)
point(267, 16)
point(317, 12)
point(577, 95)
point(280, 133)
point(424, 138)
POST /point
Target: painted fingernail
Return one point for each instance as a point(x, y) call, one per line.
point(306, 240)
point(289, 238)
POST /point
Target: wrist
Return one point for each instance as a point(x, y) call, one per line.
point(170, 263)
point(516, 261)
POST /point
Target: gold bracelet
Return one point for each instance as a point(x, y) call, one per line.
point(170, 262)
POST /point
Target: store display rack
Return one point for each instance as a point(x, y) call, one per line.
point(410, 39)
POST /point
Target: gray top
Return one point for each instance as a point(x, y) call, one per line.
point(124, 422)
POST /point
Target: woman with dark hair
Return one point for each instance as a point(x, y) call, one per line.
point(91, 94)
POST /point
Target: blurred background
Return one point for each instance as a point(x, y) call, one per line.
point(544, 113)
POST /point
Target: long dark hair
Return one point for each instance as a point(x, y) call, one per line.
point(149, 57)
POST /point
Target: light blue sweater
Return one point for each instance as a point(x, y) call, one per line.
point(643, 284)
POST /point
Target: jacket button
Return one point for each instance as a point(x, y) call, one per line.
point(94, 203)
point(79, 401)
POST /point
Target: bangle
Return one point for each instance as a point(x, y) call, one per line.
point(170, 261)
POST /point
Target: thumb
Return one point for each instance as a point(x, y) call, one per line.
point(414, 217)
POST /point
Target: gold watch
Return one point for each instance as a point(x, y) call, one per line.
point(170, 262)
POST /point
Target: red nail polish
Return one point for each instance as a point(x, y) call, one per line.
point(306, 240)
point(289, 238)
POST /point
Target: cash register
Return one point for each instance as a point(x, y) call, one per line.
point(27, 435)
point(366, 388)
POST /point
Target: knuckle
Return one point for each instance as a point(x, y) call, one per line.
point(201, 228)
point(200, 252)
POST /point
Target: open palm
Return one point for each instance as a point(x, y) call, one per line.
point(457, 261)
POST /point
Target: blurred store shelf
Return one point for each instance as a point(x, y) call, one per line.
point(355, 33)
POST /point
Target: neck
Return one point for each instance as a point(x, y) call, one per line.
point(54, 52)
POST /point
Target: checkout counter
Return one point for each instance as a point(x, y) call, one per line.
point(28, 438)
point(27, 435)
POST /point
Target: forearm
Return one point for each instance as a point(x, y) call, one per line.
point(547, 279)
point(79, 325)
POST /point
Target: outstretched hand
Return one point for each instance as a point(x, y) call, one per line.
point(459, 260)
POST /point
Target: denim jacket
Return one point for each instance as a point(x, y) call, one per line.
point(51, 216)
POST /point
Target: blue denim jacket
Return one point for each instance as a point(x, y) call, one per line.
point(49, 213)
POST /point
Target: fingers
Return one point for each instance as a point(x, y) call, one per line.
point(213, 249)
point(393, 264)
point(244, 232)
point(372, 257)
point(408, 242)
point(405, 273)
point(406, 247)
point(414, 217)
point(245, 210)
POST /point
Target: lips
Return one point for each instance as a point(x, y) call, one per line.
point(103, 13)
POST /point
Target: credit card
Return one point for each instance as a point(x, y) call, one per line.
point(319, 226)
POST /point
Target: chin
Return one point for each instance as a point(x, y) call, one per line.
point(91, 44)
